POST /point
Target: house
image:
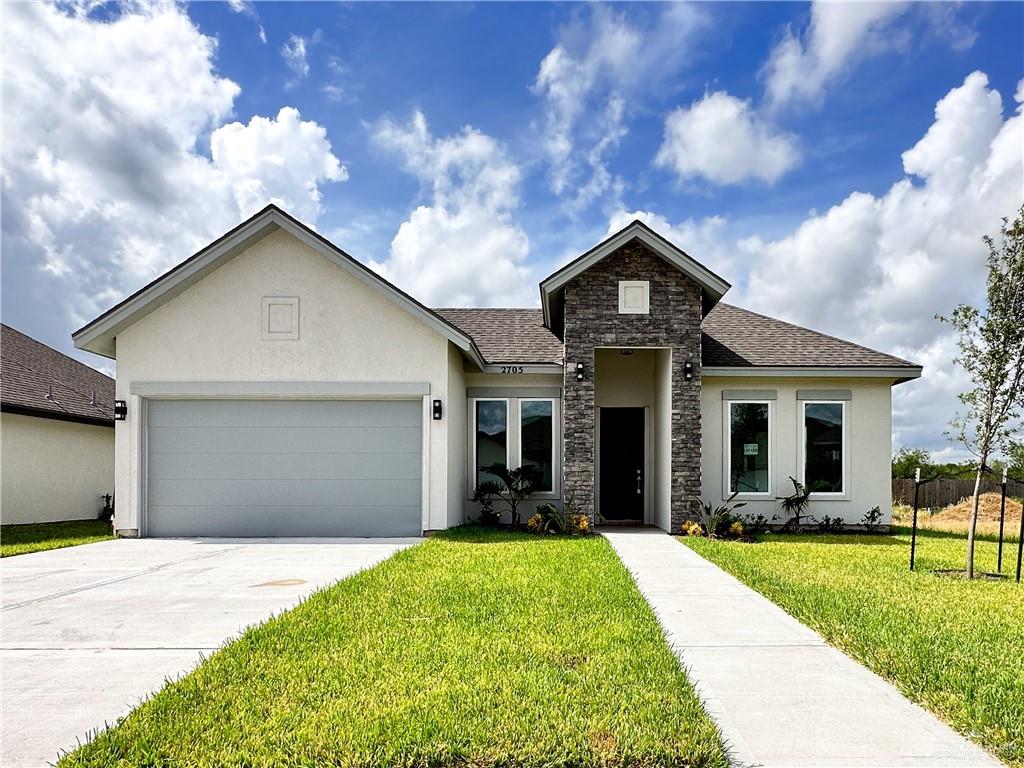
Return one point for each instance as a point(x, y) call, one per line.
point(56, 433)
point(275, 386)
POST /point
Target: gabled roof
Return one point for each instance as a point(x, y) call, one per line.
point(100, 335)
point(712, 286)
point(37, 380)
point(508, 335)
point(733, 341)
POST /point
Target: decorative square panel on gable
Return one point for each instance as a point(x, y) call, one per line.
point(280, 319)
point(634, 297)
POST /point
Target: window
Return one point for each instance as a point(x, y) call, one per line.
point(823, 447)
point(634, 297)
point(748, 449)
point(491, 436)
point(537, 440)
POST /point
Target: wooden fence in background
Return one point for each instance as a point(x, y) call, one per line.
point(942, 493)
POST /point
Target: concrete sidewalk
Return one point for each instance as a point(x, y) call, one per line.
point(780, 695)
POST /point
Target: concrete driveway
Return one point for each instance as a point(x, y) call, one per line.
point(89, 631)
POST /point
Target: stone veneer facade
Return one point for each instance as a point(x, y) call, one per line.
point(592, 320)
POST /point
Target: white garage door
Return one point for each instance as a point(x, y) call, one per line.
point(284, 468)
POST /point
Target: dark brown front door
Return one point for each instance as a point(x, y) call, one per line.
point(621, 490)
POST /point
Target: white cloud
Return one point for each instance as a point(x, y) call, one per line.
point(463, 247)
point(602, 63)
point(704, 239)
point(294, 54)
point(877, 269)
point(722, 139)
point(798, 70)
point(104, 185)
point(247, 9)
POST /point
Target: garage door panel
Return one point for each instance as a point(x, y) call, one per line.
point(295, 440)
point(286, 466)
point(345, 492)
point(283, 468)
point(266, 414)
point(289, 521)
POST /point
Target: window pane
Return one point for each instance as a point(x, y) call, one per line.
point(823, 438)
point(535, 419)
point(748, 457)
point(491, 436)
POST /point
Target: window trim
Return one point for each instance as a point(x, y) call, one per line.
point(727, 453)
point(554, 493)
point(473, 477)
point(843, 494)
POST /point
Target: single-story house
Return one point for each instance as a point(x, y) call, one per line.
point(272, 385)
point(56, 434)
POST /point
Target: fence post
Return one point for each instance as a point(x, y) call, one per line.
point(1002, 518)
point(913, 530)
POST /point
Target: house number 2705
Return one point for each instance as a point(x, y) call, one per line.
point(511, 369)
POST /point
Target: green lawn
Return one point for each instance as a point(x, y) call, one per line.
point(476, 648)
point(954, 646)
point(36, 537)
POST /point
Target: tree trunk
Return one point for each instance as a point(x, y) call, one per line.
point(973, 524)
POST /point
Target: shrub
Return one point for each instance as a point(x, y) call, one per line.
point(550, 519)
point(795, 504)
point(755, 525)
point(735, 529)
point(872, 520)
point(716, 520)
point(830, 524)
point(692, 528)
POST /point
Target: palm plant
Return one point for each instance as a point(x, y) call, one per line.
point(511, 486)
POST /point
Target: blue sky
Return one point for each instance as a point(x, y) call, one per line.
point(837, 163)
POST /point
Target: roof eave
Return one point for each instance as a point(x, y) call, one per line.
point(899, 373)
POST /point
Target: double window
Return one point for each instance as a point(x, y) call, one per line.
point(516, 432)
point(824, 446)
point(748, 450)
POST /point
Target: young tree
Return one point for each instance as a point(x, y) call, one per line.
point(992, 355)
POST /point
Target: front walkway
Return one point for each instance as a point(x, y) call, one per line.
point(89, 631)
point(780, 694)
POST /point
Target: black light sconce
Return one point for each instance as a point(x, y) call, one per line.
point(688, 371)
point(437, 410)
point(579, 371)
point(120, 410)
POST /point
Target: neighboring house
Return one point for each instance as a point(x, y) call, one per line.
point(275, 386)
point(56, 434)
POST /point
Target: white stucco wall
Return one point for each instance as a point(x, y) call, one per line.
point(347, 333)
point(868, 443)
point(456, 416)
point(53, 470)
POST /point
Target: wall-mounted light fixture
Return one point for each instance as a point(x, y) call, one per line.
point(579, 371)
point(120, 410)
point(688, 371)
point(437, 410)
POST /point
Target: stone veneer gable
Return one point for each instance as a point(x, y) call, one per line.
point(592, 320)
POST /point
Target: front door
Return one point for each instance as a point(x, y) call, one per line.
point(621, 487)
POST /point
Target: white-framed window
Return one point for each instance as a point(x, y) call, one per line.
point(490, 436)
point(634, 297)
point(748, 448)
point(824, 449)
point(538, 439)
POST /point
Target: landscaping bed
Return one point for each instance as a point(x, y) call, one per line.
point(38, 537)
point(952, 645)
point(478, 647)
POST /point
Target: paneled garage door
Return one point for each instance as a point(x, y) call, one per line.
point(284, 468)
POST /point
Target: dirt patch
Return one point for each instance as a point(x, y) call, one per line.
point(988, 510)
point(961, 573)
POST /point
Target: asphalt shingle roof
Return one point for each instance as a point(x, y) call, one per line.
point(38, 378)
point(731, 337)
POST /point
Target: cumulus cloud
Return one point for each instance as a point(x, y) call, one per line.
point(799, 69)
point(878, 268)
point(104, 184)
point(722, 139)
point(602, 61)
point(461, 248)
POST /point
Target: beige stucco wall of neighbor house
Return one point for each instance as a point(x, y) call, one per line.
point(348, 332)
point(53, 470)
point(868, 441)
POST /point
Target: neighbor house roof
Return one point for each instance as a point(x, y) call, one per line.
point(37, 380)
point(732, 338)
point(100, 335)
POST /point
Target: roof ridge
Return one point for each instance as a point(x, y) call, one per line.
point(822, 334)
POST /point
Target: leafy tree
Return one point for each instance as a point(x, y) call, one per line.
point(1015, 459)
point(991, 346)
point(907, 460)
